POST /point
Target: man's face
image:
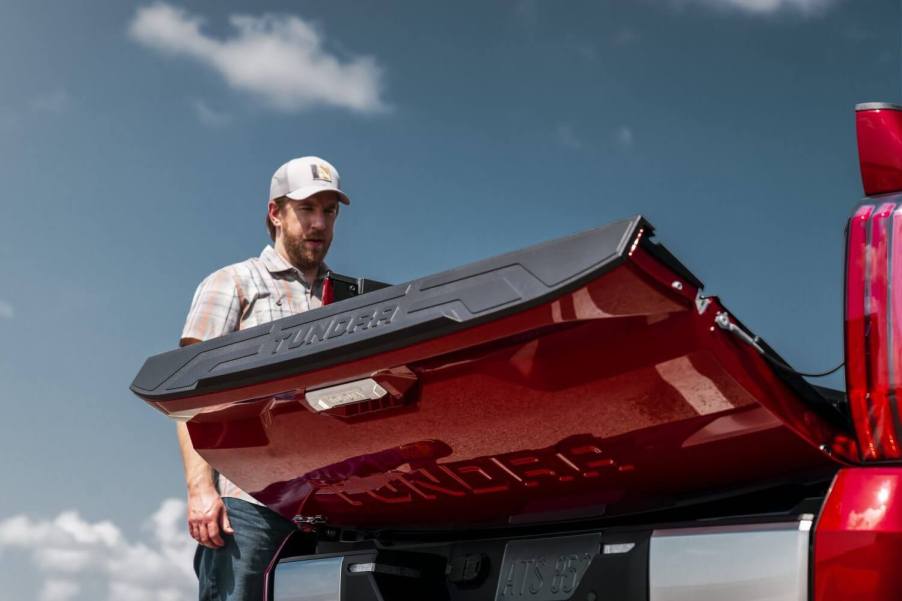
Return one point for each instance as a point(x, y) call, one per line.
point(306, 228)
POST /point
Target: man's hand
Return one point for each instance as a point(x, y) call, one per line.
point(208, 518)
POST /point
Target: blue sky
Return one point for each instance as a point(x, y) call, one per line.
point(138, 140)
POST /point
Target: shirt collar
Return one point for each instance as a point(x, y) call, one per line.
point(275, 263)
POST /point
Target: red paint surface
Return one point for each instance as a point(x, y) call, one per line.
point(880, 150)
point(858, 537)
point(616, 397)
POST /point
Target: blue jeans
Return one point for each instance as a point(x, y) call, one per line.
point(234, 572)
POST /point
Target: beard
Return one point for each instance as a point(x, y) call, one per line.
point(304, 257)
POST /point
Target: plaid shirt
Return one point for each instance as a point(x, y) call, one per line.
point(247, 294)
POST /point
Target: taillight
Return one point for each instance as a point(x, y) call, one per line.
point(873, 314)
point(879, 128)
point(856, 360)
point(879, 334)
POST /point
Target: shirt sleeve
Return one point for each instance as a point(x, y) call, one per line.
point(215, 309)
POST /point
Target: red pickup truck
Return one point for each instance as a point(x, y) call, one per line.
point(575, 420)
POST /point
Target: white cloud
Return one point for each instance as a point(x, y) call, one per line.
point(210, 116)
point(73, 554)
point(70, 561)
point(59, 590)
point(6, 310)
point(625, 136)
point(280, 59)
point(766, 7)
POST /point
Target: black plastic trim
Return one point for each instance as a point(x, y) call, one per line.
point(389, 318)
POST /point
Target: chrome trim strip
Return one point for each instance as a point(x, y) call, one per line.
point(876, 106)
point(745, 562)
point(730, 529)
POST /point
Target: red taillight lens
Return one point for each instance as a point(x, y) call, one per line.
point(873, 312)
point(856, 359)
point(879, 128)
point(879, 334)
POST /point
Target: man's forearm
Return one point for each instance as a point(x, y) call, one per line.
point(207, 516)
point(198, 473)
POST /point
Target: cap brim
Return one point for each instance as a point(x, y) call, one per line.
point(308, 191)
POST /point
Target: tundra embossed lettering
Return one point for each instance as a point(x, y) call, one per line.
point(327, 329)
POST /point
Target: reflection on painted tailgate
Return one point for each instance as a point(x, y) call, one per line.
point(597, 385)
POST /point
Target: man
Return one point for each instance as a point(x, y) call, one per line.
point(237, 535)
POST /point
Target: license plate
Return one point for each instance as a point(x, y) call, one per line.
point(545, 569)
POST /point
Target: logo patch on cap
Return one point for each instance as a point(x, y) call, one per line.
point(321, 172)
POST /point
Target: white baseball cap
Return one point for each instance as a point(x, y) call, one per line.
point(305, 176)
